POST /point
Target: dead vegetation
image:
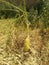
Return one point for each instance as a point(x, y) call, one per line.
point(12, 42)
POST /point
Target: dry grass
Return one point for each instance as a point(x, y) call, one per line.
point(12, 41)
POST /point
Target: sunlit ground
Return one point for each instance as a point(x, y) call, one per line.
point(11, 45)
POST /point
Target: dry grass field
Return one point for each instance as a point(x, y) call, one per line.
point(11, 45)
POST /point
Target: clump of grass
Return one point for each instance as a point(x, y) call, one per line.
point(27, 40)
